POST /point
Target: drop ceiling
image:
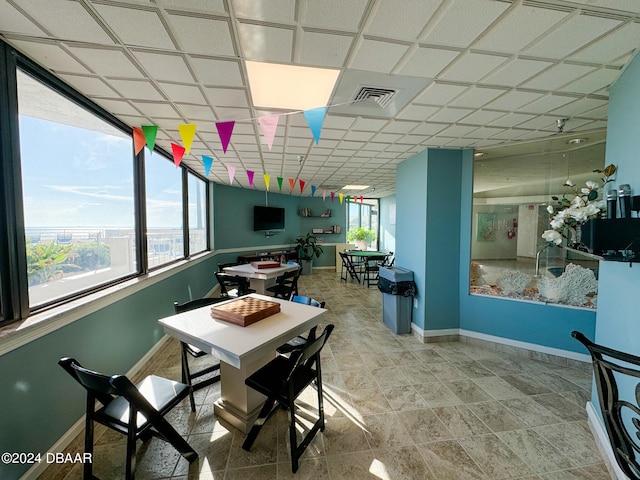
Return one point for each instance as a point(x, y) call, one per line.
point(490, 75)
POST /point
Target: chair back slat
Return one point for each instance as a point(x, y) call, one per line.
point(95, 383)
point(197, 303)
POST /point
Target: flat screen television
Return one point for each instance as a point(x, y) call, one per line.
point(268, 218)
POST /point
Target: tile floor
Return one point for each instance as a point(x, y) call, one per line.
point(395, 409)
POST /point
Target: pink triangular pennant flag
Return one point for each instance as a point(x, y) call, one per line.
point(178, 153)
point(302, 183)
point(269, 125)
point(207, 162)
point(138, 140)
point(232, 171)
point(187, 132)
point(315, 119)
point(333, 196)
point(292, 182)
point(250, 177)
point(225, 129)
point(324, 194)
point(150, 132)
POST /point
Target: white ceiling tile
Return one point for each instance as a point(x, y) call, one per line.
point(137, 90)
point(516, 71)
point(332, 134)
point(511, 120)
point(458, 130)
point(613, 46)
point(513, 100)
point(376, 56)
point(136, 27)
point(520, 27)
point(324, 50)
point(557, 76)
point(118, 107)
point(594, 82)
point(579, 107)
point(622, 5)
point(548, 103)
point(227, 97)
point(195, 113)
point(450, 115)
point(428, 129)
point(417, 112)
point(402, 19)
point(157, 110)
point(571, 35)
point(265, 44)
point(475, 15)
point(276, 11)
point(387, 137)
point(400, 126)
point(335, 14)
point(440, 94)
point(182, 93)
point(108, 63)
point(206, 36)
point(369, 124)
point(199, 6)
point(91, 86)
point(471, 67)
point(482, 117)
point(13, 21)
point(219, 73)
point(486, 132)
point(334, 121)
point(164, 66)
point(361, 136)
point(427, 62)
point(55, 14)
point(477, 97)
point(54, 57)
point(541, 122)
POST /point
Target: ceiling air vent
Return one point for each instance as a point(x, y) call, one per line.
point(382, 96)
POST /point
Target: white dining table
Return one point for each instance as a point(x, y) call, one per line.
point(260, 278)
point(241, 350)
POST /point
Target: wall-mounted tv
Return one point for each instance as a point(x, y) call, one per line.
point(268, 218)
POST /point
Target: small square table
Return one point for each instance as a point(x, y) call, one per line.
point(260, 278)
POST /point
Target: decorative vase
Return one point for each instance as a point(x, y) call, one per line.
point(362, 244)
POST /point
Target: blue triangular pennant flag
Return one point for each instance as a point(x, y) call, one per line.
point(315, 119)
point(313, 190)
point(207, 162)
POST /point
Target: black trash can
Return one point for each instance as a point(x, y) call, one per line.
point(398, 288)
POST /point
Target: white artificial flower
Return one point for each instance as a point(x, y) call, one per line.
point(550, 208)
point(569, 183)
point(592, 185)
point(552, 236)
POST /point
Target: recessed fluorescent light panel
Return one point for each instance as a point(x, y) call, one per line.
point(289, 86)
point(355, 187)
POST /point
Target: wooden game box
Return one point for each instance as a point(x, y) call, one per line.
point(245, 311)
point(265, 264)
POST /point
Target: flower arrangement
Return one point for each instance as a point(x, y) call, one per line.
point(570, 214)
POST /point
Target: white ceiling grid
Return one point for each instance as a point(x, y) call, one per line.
point(495, 74)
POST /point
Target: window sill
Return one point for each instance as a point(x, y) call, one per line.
point(20, 333)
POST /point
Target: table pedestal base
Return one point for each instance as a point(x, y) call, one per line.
point(239, 405)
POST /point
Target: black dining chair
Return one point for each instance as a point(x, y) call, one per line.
point(186, 351)
point(286, 284)
point(618, 382)
point(137, 411)
point(232, 286)
point(348, 268)
point(282, 380)
point(298, 341)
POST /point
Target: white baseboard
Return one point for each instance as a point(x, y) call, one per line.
point(602, 441)
point(38, 468)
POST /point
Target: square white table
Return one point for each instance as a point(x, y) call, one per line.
point(260, 278)
point(241, 350)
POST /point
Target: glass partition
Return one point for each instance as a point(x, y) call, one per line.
point(517, 191)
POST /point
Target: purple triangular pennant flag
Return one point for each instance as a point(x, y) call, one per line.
point(315, 119)
point(225, 129)
point(250, 177)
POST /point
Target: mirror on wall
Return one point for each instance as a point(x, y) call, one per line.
point(512, 190)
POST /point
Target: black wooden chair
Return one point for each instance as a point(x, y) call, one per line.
point(233, 285)
point(298, 341)
point(617, 380)
point(286, 284)
point(371, 272)
point(282, 380)
point(348, 268)
point(187, 351)
point(136, 411)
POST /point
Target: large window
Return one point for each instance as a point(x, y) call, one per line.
point(164, 211)
point(197, 190)
point(77, 174)
point(364, 216)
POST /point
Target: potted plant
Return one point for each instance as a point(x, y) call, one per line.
point(307, 247)
point(361, 236)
